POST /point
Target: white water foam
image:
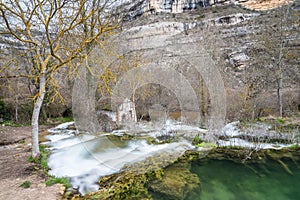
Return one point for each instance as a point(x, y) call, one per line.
point(237, 142)
point(231, 129)
point(86, 158)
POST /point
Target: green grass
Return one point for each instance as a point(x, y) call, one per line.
point(294, 147)
point(280, 120)
point(14, 124)
point(55, 180)
point(60, 120)
point(57, 120)
point(44, 157)
point(33, 160)
point(26, 184)
point(42, 167)
point(207, 145)
point(22, 142)
point(42, 161)
point(278, 124)
point(197, 140)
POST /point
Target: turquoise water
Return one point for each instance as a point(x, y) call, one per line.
point(227, 180)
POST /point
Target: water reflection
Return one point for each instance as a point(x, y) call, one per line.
point(228, 180)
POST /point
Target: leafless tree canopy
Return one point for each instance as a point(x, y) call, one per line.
point(51, 35)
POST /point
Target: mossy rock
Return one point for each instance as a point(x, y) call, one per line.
point(173, 182)
point(176, 183)
point(152, 140)
point(125, 185)
point(240, 155)
point(283, 154)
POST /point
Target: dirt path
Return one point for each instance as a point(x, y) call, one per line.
point(15, 168)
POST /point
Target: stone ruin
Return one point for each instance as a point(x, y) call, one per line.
point(126, 112)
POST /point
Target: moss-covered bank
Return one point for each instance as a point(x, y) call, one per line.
point(176, 181)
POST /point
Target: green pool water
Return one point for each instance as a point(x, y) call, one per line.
point(228, 180)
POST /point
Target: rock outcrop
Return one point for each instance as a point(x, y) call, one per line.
point(135, 8)
point(244, 45)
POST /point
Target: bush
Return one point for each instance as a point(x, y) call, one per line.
point(3, 110)
point(24, 112)
point(197, 140)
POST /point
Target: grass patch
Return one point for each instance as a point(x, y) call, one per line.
point(34, 160)
point(294, 147)
point(278, 124)
point(22, 142)
point(207, 145)
point(43, 168)
point(60, 120)
point(55, 180)
point(41, 162)
point(50, 121)
point(44, 158)
point(197, 140)
point(26, 184)
point(280, 120)
point(14, 124)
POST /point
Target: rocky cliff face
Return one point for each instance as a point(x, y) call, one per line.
point(250, 49)
point(136, 8)
point(229, 57)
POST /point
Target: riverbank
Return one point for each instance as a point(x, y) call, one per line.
point(222, 174)
point(278, 137)
point(17, 170)
point(159, 171)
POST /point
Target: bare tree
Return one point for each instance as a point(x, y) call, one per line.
point(55, 35)
point(278, 46)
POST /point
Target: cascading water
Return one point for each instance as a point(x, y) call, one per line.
point(84, 158)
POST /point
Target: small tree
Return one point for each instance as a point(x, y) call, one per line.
point(279, 33)
point(55, 35)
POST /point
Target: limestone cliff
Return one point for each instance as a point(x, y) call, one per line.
point(135, 8)
point(244, 44)
point(242, 48)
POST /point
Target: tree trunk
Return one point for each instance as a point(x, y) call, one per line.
point(17, 103)
point(279, 93)
point(280, 67)
point(35, 116)
point(280, 80)
point(17, 108)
